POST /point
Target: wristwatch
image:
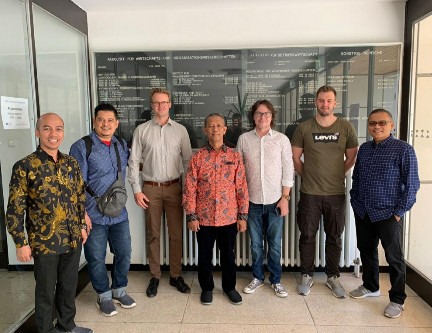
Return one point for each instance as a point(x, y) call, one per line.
point(83, 226)
point(286, 196)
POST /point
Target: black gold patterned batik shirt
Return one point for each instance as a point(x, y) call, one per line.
point(47, 199)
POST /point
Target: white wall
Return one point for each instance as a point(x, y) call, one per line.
point(285, 23)
point(238, 24)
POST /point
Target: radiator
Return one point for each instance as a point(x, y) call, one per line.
point(290, 255)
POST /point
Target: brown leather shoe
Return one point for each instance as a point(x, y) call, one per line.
point(152, 287)
point(179, 283)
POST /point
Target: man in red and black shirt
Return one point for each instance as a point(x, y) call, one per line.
point(216, 202)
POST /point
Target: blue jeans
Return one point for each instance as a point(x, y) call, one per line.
point(119, 239)
point(264, 222)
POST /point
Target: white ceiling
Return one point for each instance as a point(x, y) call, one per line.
point(147, 5)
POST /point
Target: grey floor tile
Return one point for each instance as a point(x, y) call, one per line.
point(241, 327)
point(126, 327)
point(164, 308)
point(172, 311)
point(354, 329)
point(11, 282)
point(328, 310)
point(15, 307)
point(262, 308)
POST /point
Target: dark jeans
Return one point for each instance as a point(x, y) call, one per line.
point(119, 240)
point(265, 223)
point(390, 233)
point(310, 209)
point(225, 238)
point(56, 282)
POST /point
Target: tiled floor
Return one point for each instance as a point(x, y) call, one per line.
point(320, 311)
point(17, 298)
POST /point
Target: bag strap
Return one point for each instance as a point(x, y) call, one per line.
point(119, 171)
point(88, 141)
point(88, 144)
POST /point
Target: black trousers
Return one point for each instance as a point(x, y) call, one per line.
point(225, 237)
point(56, 282)
point(310, 209)
point(390, 233)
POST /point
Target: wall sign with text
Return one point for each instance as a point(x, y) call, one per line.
point(230, 81)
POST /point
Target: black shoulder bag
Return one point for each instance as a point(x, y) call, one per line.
point(112, 202)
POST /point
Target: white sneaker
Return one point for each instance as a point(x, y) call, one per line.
point(254, 285)
point(280, 290)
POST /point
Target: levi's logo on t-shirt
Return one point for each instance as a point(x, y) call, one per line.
point(325, 137)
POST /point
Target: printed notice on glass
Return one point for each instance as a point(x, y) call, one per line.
point(14, 113)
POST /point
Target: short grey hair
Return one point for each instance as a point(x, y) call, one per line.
point(214, 115)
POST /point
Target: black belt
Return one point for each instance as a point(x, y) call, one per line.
point(168, 183)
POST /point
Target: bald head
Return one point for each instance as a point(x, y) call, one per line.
point(46, 116)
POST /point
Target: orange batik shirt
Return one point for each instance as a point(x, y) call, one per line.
point(215, 191)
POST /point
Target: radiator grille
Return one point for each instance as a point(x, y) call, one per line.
point(290, 255)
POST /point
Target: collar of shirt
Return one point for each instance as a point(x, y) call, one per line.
point(155, 122)
point(210, 148)
point(384, 142)
point(270, 132)
point(43, 155)
point(97, 139)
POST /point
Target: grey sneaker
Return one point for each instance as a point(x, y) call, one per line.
point(362, 292)
point(393, 310)
point(280, 290)
point(254, 285)
point(126, 302)
point(306, 284)
point(107, 308)
point(76, 329)
point(335, 286)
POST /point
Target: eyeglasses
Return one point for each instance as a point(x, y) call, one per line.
point(380, 123)
point(263, 114)
point(164, 103)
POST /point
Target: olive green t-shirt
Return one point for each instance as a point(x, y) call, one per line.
point(324, 155)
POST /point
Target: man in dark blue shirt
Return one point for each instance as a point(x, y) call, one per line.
point(384, 188)
point(99, 172)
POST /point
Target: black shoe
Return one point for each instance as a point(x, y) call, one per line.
point(206, 297)
point(179, 283)
point(234, 297)
point(152, 287)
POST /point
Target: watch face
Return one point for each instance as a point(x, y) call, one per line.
point(84, 227)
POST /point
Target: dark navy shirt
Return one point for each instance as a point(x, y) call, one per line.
point(385, 179)
point(100, 171)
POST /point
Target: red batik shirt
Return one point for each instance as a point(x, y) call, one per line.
point(215, 188)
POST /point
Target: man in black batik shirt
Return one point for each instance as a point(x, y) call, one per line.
point(46, 197)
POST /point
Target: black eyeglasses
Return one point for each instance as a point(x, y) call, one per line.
point(164, 103)
point(263, 114)
point(379, 123)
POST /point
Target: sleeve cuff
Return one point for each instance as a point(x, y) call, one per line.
point(20, 243)
point(191, 217)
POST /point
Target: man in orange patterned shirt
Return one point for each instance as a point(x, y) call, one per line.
point(216, 202)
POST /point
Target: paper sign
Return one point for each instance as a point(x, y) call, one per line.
point(14, 113)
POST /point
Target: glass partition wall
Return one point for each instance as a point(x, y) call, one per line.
point(419, 245)
point(16, 88)
point(48, 73)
